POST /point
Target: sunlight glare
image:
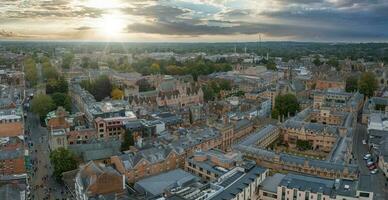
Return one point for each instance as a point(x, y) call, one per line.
point(111, 25)
point(103, 3)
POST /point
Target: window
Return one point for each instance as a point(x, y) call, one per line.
point(319, 196)
point(307, 195)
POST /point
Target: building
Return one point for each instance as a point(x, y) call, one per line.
point(97, 181)
point(301, 187)
point(160, 184)
point(241, 183)
point(212, 164)
point(373, 105)
point(148, 162)
point(57, 139)
point(14, 187)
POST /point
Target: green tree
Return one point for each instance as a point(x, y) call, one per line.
point(128, 141)
point(367, 84)
point(85, 62)
point(334, 63)
point(351, 84)
point(99, 88)
point(317, 61)
point(31, 71)
point(271, 65)
point(208, 93)
point(67, 60)
point(285, 104)
point(63, 160)
point(62, 99)
point(155, 68)
point(48, 70)
point(41, 105)
point(303, 145)
point(57, 85)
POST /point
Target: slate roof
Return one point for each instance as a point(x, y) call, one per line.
point(156, 185)
point(237, 183)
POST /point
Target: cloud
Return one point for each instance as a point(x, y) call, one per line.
point(84, 28)
point(7, 34)
point(155, 11)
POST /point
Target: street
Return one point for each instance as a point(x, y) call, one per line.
point(42, 184)
point(359, 150)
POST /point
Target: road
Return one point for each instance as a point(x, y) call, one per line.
point(42, 184)
point(359, 150)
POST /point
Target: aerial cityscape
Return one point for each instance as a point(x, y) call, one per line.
point(193, 100)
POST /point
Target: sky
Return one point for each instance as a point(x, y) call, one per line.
point(195, 20)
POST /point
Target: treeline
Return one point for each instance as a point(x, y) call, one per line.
point(30, 71)
point(196, 67)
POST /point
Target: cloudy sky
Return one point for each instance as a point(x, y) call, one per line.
point(195, 20)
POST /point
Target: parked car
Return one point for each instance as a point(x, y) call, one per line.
point(372, 167)
point(374, 171)
point(363, 142)
point(369, 164)
point(367, 156)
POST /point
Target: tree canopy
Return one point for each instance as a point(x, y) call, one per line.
point(213, 88)
point(31, 71)
point(67, 60)
point(57, 85)
point(284, 105)
point(63, 160)
point(42, 104)
point(367, 84)
point(127, 141)
point(117, 94)
point(351, 84)
point(62, 99)
point(100, 88)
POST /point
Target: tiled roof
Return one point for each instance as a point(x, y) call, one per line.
point(11, 129)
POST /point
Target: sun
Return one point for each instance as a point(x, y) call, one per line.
point(111, 25)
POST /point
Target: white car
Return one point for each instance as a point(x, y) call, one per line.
point(374, 171)
point(367, 156)
point(363, 142)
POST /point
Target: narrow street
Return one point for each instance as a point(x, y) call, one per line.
point(359, 150)
point(42, 183)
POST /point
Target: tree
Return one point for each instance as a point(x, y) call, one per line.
point(303, 145)
point(144, 85)
point(334, 63)
point(351, 84)
point(57, 85)
point(62, 99)
point(117, 94)
point(367, 84)
point(31, 71)
point(41, 105)
point(270, 65)
point(208, 93)
point(67, 60)
point(99, 88)
point(317, 61)
point(155, 68)
point(62, 160)
point(284, 105)
point(127, 141)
